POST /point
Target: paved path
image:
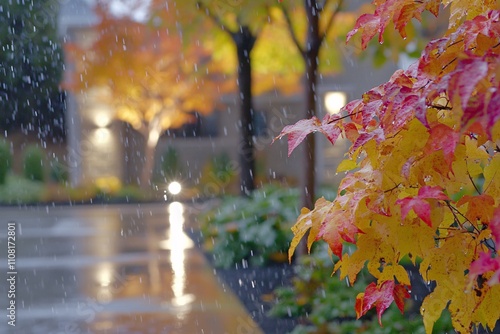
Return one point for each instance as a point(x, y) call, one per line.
point(113, 269)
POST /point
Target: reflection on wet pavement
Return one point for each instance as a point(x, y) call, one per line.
point(114, 269)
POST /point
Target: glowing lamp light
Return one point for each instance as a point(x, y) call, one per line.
point(174, 188)
point(102, 120)
point(334, 101)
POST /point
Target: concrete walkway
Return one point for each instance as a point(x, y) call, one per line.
point(113, 269)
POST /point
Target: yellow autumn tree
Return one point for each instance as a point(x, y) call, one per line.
point(155, 80)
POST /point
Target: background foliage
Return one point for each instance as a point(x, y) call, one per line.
point(31, 64)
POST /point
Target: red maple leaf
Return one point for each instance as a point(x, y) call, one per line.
point(381, 298)
point(466, 77)
point(365, 137)
point(442, 137)
point(400, 11)
point(495, 227)
point(370, 25)
point(493, 114)
point(420, 203)
point(298, 131)
point(486, 25)
point(484, 264)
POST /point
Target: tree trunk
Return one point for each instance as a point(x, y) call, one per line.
point(310, 55)
point(245, 41)
point(151, 141)
point(311, 52)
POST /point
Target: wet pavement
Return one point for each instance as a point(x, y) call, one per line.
point(112, 269)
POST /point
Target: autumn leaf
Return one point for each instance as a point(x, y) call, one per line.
point(336, 229)
point(377, 135)
point(396, 271)
point(297, 132)
point(479, 207)
point(495, 227)
point(485, 263)
point(420, 203)
point(400, 11)
point(370, 24)
point(488, 311)
point(303, 224)
point(442, 137)
point(464, 80)
point(346, 165)
point(309, 220)
point(381, 297)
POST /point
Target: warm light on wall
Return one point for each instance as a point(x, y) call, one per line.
point(102, 137)
point(102, 119)
point(334, 101)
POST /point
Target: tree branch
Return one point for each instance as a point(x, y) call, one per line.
point(331, 19)
point(261, 26)
point(216, 19)
point(294, 36)
point(455, 211)
point(470, 178)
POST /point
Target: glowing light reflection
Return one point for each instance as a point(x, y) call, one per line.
point(102, 137)
point(178, 242)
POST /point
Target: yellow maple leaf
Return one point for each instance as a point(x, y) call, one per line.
point(309, 220)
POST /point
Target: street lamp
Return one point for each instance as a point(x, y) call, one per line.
point(174, 188)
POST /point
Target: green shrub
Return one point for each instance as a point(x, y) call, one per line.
point(19, 190)
point(170, 165)
point(255, 229)
point(58, 172)
point(34, 168)
point(5, 161)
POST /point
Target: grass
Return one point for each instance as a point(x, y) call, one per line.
point(18, 190)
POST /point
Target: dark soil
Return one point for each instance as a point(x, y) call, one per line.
point(254, 287)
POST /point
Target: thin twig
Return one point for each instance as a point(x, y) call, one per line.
point(331, 19)
point(392, 189)
point(455, 210)
point(216, 19)
point(438, 107)
point(451, 62)
point(472, 181)
point(294, 36)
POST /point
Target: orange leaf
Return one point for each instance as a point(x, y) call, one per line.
point(479, 207)
point(337, 228)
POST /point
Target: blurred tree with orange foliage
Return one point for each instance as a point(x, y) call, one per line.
point(155, 81)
